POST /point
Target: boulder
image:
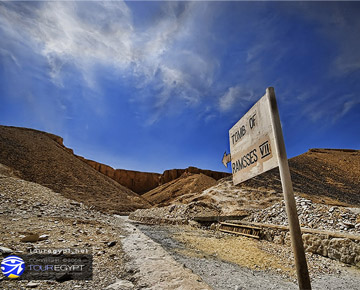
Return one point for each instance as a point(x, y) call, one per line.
point(344, 250)
point(5, 251)
point(315, 244)
point(121, 285)
point(30, 238)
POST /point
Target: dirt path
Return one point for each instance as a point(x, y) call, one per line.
point(221, 274)
point(131, 256)
point(216, 273)
point(153, 267)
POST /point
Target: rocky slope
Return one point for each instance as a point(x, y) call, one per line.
point(39, 157)
point(142, 182)
point(176, 190)
point(325, 176)
point(137, 181)
point(173, 174)
point(328, 175)
point(30, 209)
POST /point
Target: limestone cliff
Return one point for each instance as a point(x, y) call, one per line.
point(172, 174)
point(137, 181)
point(42, 158)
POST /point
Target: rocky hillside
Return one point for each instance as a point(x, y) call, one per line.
point(39, 157)
point(325, 176)
point(137, 181)
point(177, 190)
point(141, 182)
point(328, 173)
point(173, 174)
point(330, 176)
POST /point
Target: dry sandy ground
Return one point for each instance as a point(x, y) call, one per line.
point(154, 268)
point(228, 262)
point(146, 257)
point(29, 208)
point(134, 262)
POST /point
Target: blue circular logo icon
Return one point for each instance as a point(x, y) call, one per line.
point(13, 266)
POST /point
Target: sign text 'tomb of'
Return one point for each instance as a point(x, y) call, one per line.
point(252, 142)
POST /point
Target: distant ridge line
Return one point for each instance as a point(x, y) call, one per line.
point(321, 150)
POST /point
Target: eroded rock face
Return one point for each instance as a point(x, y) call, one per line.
point(172, 174)
point(344, 250)
point(139, 182)
point(42, 158)
point(316, 244)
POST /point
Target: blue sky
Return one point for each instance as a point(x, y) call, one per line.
point(151, 86)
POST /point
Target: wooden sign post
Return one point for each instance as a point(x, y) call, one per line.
point(257, 145)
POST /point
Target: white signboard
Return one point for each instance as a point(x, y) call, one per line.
point(252, 143)
point(257, 145)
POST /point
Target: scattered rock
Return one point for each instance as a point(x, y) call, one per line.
point(100, 253)
point(5, 251)
point(111, 244)
point(43, 237)
point(121, 285)
point(75, 203)
point(312, 215)
point(213, 226)
point(30, 238)
point(348, 224)
point(32, 285)
point(194, 224)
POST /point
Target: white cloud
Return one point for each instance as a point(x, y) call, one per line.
point(88, 34)
point(346, 107)
point(9, 55)
point(233, 95)
point(330, 112)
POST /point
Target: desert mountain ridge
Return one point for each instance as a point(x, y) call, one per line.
point(139, 181)
point(43, 158)
point(325, 176)
point(330, 176)
point(38, 157)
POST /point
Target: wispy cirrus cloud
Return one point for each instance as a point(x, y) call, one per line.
point(10, 56)
point(105, 34)
point(350, 103)
point(233, 95)
point(172, 61)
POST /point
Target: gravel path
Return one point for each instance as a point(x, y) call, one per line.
point(221, 275)
point(216, 273)
point(143, 256)
point(152, 266)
